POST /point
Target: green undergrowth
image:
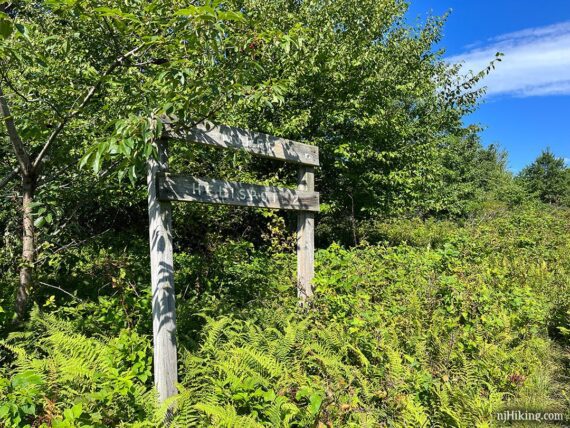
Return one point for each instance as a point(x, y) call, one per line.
point(435, 324)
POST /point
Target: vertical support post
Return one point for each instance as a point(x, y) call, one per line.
point(162, 276)
point(305, 238)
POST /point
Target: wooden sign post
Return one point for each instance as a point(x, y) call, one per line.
point(305, 237)
point(163, 188)
point(162, 277)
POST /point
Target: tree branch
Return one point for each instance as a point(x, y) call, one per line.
point(17, 144)
point(171, 123)
point(60, 289)
point(75, 111)
point(9, 177)
point(26, 99)
point(13, 88)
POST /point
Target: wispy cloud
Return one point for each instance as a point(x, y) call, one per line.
point(536, 61)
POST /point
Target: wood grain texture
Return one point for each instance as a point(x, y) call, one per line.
point(254, 142)
point(305, 238)
point(192, 189)
point(162, 277)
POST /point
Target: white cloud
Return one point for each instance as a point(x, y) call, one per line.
point(536, 61)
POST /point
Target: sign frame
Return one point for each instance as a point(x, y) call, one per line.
point(165, 188)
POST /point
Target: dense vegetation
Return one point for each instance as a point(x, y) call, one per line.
point(434, 322)
point(442, 280)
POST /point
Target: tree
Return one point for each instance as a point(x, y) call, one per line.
point(381, 103)
point(99, 74)
point(548, 178)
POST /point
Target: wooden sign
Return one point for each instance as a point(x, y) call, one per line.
point(191, 189)
point(164, 188)
point(264, 145)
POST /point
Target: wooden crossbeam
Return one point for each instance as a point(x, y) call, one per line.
point(193, 189)
point(254, 142)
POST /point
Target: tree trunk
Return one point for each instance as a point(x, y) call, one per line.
point(28, 245)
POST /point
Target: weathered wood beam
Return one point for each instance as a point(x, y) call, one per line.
point(254, 142)
point(192, 189)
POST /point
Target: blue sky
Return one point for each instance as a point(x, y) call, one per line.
point(527, 107)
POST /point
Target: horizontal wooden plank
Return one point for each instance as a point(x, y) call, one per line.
point(254, 142)
point(210, 191)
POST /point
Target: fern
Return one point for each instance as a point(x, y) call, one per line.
point(226, 417)
point(78, 369)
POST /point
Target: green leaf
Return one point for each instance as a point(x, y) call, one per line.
point(68, 414)
point(4, 410)
point(77, 410)
point(97, 162)
point(6, 26)
point(231, 16)
point(269, 395)
point(114, 12)
point(189, 11)
point(29, 409)
point(85, 160)
point(26, 378)
point(315, 401)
